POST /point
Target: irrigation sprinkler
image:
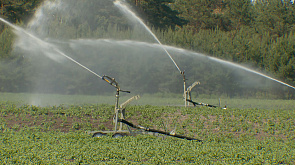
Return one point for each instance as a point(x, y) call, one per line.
point(126, 10)
point(188, 97)
point(188, 91)
point(119, 110)
point(119, 118)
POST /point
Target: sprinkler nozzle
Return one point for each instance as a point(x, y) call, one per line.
point(111, 81)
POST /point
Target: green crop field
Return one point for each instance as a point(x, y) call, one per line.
point(159, 99)
point(57, 135)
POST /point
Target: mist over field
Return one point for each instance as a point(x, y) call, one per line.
point(64, 41)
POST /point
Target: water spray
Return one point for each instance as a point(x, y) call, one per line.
point(43, 43)
point(250, 70)
point(124, 8)
point(119, 110)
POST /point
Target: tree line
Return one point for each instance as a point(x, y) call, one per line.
point(259, 34)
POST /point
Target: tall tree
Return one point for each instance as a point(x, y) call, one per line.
point(240, 13)
point(18, 10)
point(276, 17)
point(203, 14)
point(159, 13)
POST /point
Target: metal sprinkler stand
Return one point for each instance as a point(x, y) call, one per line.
point(187, 94)
point(184, 88)
point(119, 111)
point(187, 91)
point(120, 117)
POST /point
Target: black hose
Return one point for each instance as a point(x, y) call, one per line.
point(156, 131)
point(202, 104)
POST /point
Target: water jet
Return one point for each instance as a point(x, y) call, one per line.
point(119, 110)
point(125, 9)
point(129, 13)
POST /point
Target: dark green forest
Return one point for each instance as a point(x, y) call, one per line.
point(258, 34)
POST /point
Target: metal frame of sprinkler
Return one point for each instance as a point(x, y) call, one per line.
point(187, 91)
point(188, 97)
point(119, 118)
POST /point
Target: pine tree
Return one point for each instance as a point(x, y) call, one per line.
point(16, 10)
point(159, 13)
point(6, 41)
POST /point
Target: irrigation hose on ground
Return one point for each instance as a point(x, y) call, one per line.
point(202, 104)
point(156, 131)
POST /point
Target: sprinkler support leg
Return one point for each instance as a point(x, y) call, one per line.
point(117, 110)
point(184, 89)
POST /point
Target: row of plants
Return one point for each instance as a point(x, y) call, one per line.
point(57, 134)
point(32, 146)
point(201, 117)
